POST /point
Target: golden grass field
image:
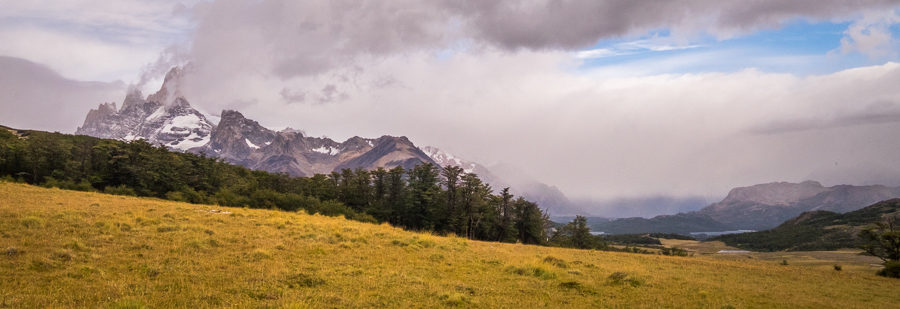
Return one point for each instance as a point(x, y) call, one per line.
point(76, 249)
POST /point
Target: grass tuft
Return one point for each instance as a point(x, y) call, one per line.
point(556, 262)
point(623, 278)
point(165, 229)
point(301, 280)
point(31, 222)
point(534, 271)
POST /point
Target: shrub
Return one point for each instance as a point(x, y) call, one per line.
point(891, 269)
point(838, 267)
point(555, 262)
point(577, 286)
point(674, 252)
point(119, 190)
point(176, 196)
point(532, 271)
point(619, 278)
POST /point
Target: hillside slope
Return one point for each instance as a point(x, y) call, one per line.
point(815, 230)
point(77, 249)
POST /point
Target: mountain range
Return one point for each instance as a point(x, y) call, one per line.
point(167, 118)
point(757, 207)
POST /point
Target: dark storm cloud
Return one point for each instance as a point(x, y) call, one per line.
point(312, 37)
point(576, 24)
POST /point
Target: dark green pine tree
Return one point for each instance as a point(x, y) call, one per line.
point(530, 222)
point(397, 196)
point(454, 217)
point(424, 197)
point(506, 230)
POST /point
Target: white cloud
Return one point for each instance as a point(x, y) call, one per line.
point(633, 47)
point(76, 57)
point(871, 35)
point(89, 39)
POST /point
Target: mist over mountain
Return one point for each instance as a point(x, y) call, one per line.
point(644, 207)
point(35, 96)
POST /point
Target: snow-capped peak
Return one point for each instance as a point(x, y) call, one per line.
point(444, 158)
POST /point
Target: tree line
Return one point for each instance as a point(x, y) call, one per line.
point(426, 197)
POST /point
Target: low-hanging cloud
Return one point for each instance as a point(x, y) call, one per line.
point(500, 81)
point(497, 82)
point(876, 113)
point(35, 97)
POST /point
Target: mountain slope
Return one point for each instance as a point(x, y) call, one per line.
point(97, 251)
point(765, 206)
point(815, 230)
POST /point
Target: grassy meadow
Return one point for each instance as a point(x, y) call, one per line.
point(76, 249)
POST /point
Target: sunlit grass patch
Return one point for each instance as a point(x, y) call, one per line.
point(130, 252)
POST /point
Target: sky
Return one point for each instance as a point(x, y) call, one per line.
point(603, 99)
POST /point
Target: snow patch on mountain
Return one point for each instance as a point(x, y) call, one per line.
point(182, 123)
point(156, 114)
point(191, 141)
point(327, 150)
point(251, 144)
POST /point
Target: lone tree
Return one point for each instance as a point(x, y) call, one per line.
point(883, 241)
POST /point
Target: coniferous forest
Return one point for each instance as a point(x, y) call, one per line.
point(430, 198)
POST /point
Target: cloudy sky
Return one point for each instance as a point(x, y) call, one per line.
point(604, 99)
